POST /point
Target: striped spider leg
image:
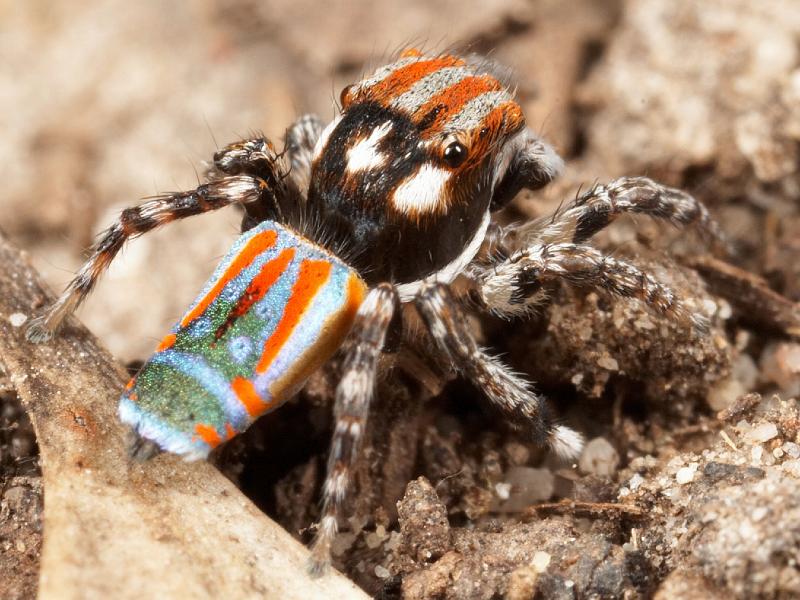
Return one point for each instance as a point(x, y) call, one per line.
point(448, 328)
point(353, 398)
point(555, 249)
point(247, 172)
point(507, 391)
point(598, 207)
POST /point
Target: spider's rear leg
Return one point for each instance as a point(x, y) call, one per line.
point(516, 285)
point(511, 394)
point(353, 397)
point(597, 208)
point(140, 219)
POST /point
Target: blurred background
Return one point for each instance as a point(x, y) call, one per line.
point(105, 102)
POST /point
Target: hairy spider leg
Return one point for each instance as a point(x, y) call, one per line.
point(136, 221)
point(515, 285)
point(598, 207)
point(353, 398)
point(507, 391)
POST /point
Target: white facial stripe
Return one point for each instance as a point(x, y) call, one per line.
point(422, 192)
point(323, 138)
point(364, 154)
point(450, 271)
point(430, 85)
point(475, 111)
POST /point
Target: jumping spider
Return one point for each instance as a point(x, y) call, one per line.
point(394, 199)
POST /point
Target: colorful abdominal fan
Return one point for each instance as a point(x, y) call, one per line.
point(274, 310)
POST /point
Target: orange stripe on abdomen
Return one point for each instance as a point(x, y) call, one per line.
point(246, 392)
point(167, 343)
point(208, 434)
point(258, 244)
point(260, 285)
point(312, 276)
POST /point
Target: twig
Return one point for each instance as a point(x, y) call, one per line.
point(586, 509)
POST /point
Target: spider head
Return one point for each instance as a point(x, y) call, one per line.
point(418, 153)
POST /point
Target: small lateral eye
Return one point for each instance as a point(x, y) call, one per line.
point(455, 154)
point(343, 97)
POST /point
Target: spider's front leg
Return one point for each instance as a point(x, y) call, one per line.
point(140, 219)
point(598, 207)
point(514, 286)
point(511, 394)
point(256, 156)
point(353, 397)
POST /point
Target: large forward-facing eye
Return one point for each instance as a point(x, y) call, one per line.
point(455, 153)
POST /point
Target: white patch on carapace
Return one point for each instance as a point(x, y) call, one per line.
point(476, 110)
point(451, 270)
point(364, 154)
point(422, 192)
point(323, 138)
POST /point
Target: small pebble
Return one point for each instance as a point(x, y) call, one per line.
point(17, 319)
point(527, 486)
point(503, 490)
point(724, 393)
point(541, 560)
point(762, 433)
point(792, 467)
point(382, 572)
point(599, 458)
point(686, 474)
point(608, 363)
point(791, 449)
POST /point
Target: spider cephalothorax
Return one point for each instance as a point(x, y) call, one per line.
point(408, 172)
point(387, 205)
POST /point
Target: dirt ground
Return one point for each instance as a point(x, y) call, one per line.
point(687, 488)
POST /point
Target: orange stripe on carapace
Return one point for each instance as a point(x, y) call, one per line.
point(502, 120)
point(258, 244)
point(167, 342)
point(229, 431)
point(260, 285)
point(404, 77)
point(312, 276)
point(131, 383)
point(246, 392)
point(208, 434)
point(453, 98)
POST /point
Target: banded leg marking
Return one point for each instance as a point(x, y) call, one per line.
point(515, 285)
point(132, 223)
point(353, 397)
point(507, 391)
point(597, 208)
point(301, 138)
